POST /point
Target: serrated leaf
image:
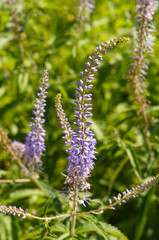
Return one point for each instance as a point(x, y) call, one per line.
point(97, 225)
point(109, 229)
point(59, 227)
point(34, 232)
point(114, 231)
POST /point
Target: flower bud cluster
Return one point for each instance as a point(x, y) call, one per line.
point(145, 10)
point(14, 148)
point(5, 142)
point(143, 46)
point(13, 211)
point(63, 120)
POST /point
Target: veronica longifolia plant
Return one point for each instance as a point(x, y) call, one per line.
point(80, 143)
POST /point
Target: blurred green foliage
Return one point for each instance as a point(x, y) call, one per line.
point(51, 36)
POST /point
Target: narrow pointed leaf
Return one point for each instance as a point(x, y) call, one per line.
point(97, 225)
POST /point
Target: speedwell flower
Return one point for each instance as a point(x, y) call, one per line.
point(82, 150)
point(34, 144)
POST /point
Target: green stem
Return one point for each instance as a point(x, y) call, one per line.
point(14, 180)
point(26, 170)
point(149, 184)
point(74, 212)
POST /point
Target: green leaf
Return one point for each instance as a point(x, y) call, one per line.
point(114, 231)
point(59, 227)
point(15, 228)
point(152, 109)
point(3, 173)
point(23, 81)
point(98, 129)
point(23, 193)
point(133, 162)
point(55, 202)
point(144, 214)
point(110, 230)
point(4, 39)
point(116, 173)
point(63, 236)
point(5, 227)
point(34, 233)
point(96, 223)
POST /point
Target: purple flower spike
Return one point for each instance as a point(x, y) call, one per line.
point(34, 144)
point(82, 150)
point(13, 211)
point(133, 193)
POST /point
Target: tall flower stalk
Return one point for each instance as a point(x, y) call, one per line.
point(143, 47)
point(82, 151)
point(82, 146)
point(35, 143)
